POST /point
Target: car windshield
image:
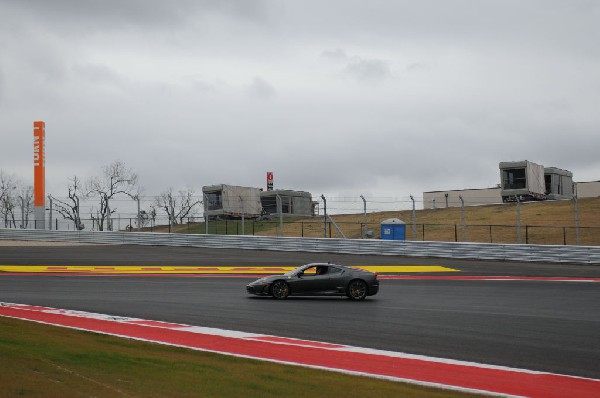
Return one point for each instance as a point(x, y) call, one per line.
point(300, 269)
point(293, 272)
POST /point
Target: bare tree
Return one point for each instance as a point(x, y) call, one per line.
point(8, 189)
point(69, 208)
point(25, 203)
point(116, 179)
point(177, 206)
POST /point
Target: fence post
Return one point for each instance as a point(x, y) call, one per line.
point(455, 233)
point(325, 216)
point(302, 228)
point(519, 235)
point(491, 240)
point(243, 221)
point(205, 199)
point(564, 236)
point(462, 219)
point(414, 219)
point(576, 220)
point(50, 218)
point(423, 232)
point(526, 234)
point(279, 204)
point(139, 215)
point(363, 233)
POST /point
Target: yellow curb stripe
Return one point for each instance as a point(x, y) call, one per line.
point(203, 270)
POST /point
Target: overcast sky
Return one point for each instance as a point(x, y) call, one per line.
point(342, 97)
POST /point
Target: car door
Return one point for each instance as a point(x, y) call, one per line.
point(309, 282)
point(326, 282)
point(335, 279)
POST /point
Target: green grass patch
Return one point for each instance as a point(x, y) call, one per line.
point(46, 361)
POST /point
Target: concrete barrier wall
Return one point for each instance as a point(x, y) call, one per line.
point(484, 251)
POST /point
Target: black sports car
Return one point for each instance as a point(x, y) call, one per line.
point(318, 279)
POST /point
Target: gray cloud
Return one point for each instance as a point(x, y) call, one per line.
point(260, 88)
point(336, 55)
point(96, 73)
point(395, 98)
point(368, 70)
point(91, 15)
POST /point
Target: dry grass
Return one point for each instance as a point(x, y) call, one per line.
point(549, 222)
point(445, 224)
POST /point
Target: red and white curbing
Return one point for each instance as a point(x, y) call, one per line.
point(444, 373)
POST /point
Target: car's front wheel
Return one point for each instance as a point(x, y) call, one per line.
point(357, 289)
point(280, 289)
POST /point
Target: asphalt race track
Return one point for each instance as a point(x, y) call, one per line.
point(537, 325)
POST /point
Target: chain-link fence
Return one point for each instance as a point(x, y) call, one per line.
point(565, 222)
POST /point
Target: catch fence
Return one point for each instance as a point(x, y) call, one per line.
point(481, 233)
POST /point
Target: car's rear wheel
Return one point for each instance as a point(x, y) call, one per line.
point(357, 290)
point(280, 289)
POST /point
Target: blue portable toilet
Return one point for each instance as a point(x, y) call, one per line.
point(393, 229)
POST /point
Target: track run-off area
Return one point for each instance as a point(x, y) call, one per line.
point(514, 329)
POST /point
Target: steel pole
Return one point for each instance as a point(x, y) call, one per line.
point(205, 213)
point(50, 219)
point(463, 233)
point(576, 205)
point(139, 218)
point(280, 212)
point(324, 216)
point(364, 233)
point(414, 219)
point(519, 233)
point(242, 206)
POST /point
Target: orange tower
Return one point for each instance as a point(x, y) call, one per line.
point(39, 174)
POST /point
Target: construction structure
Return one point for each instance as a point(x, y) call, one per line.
point(451, 198)
point(229, 201)
point(558, 183)
point(523, 181)
point(287, 203)
point(588, 189)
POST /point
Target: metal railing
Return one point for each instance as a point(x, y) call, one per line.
point(484, 251)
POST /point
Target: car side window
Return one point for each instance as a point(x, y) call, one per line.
point(334, 270)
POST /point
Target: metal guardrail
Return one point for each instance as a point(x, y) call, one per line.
point(483, 251)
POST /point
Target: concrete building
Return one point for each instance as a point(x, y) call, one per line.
point(293, 203)
point(558, 183)
point(230, 201)
point(522, 179)
point(472, 197)
point(589, 189)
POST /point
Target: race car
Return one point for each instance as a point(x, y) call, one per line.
point(318, 279)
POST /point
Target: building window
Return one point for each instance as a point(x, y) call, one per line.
point(514, 179)
point(215, 200)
